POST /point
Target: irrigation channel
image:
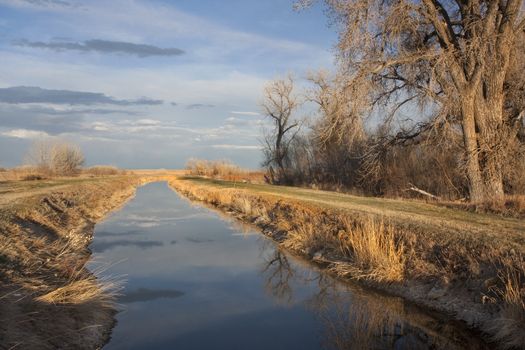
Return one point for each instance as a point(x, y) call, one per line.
point(195, 279)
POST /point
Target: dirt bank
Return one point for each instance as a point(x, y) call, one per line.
point(474, 278)
point(48, 298)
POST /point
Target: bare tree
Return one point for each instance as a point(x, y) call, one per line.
point(39, 155)
point(338, 132)
point(340, 115)
point(279, 105)
point(450, 57)
point(66, 158)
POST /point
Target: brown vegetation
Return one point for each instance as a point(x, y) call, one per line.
point(447, 80)
point(104, 170)
point(221, 169)
point(48, 297)
point(461, 271)
point(48, 159)
point(22, 173)
point(55, 158)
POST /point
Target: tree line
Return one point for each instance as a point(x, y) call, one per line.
point(427, 96)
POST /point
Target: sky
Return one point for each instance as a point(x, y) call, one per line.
point(149, 83)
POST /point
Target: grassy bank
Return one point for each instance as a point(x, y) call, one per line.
point(48, 298)
point(465, 264)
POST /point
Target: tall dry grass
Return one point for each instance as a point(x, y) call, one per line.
point(508, 327)
point(85, 290)
point(374, 249)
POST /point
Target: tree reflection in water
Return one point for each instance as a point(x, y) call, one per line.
point(278, 273)
point(355, 318)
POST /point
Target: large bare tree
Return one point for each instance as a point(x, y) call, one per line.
point(279, 105)
point(451, 57)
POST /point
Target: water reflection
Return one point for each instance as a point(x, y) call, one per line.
point(278, 272)
point(102, 246)
point(196, 280)
point(120, 233)
point(145, 294)
point(198, 240)
point(354, 318)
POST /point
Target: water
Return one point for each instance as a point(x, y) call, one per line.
point(195, 280)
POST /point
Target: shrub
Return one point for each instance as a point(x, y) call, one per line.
point(221, 169)
point(66, 159)
point(104, 170)
point(32, 177)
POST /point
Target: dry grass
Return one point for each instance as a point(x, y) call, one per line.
point(452, 262)
point(508, 327)
point(103, 170)
point(88, 289)
point(222, 169)
point(513, 206)
point(43, 273)
point(31, 173)
point(24, 173)
point(375, 251)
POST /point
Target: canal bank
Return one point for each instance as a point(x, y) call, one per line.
point(196, 280)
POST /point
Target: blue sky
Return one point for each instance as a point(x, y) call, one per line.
point(149, 83)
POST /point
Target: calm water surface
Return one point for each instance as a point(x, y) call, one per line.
point(194, 280)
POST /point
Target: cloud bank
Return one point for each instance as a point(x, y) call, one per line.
point(199, 106)
point(32, 94)
point(103, 46)
point(47, 3)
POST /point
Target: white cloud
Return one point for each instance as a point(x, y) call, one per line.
point(148, 122)
point(237, 147)
point(100, 126)
point(223, 67)
point(25, 134)
point(164, 83)
point(47, 5)
point(171, 23)
point(255, 114)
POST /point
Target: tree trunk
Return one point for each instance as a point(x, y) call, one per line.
point(492, 140)
point(493, 135)
point(280, 155)
point(475, 178)
point(484, 138)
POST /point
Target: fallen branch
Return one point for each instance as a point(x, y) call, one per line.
point(420, 191)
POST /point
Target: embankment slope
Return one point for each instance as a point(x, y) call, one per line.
point(466, 265)
point(48, 298)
